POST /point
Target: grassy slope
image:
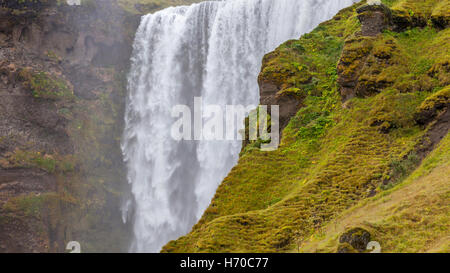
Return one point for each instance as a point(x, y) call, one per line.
point(332, 155)
point(411, 217)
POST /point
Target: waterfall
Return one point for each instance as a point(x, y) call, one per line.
point(211, 50)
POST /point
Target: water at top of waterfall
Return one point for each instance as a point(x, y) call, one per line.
point(211, 50)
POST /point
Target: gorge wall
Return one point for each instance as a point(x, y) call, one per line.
point(63, 83)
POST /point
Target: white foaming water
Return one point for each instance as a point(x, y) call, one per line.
point(214, 50)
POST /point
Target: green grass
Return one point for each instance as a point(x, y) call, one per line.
point(441, 97)
point(332, 155)
point(410, 217)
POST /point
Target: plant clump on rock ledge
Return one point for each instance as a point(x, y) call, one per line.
point(374, 18)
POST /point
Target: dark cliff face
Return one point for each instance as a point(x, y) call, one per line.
point(62, 88)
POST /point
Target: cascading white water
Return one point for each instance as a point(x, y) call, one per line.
point(214, 50)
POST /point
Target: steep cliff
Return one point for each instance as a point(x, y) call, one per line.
point(62, 93)
point(364, 153)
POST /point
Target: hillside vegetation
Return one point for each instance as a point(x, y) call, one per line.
point(354, 163)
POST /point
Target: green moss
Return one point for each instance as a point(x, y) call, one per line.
point(441, 72)
point(441, 14)
point(332, 156)
point(46, 86)
point(409, 217)
point(37, 206)
point(413, 60)
point(300, 67)
point(346, 248)
point(354, 55)
point(412, 13)
point(395, 110)
point(32, 159)
point(436, 100)
point(399, 169)
point(433, 106)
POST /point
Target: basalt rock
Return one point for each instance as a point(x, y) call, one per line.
point(356, 239)
point(374, 19)
point(288, 104)
point(276, 85)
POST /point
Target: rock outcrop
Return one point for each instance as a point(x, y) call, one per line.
point(288, 104)
point(371, 60)
point(374, 19)
point(358, 56)
point(411, 13)
point(354, 240)
point(433, 106)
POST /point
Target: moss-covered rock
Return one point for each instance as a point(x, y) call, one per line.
point(353, 59)
point(333, 156)
point(441, 71)
point(441, 14)
point(45, 86)
point(409, 217)
point(370, 64)
point(346, 248)
point(357, 238)
point(412, 13)
point(429, 109)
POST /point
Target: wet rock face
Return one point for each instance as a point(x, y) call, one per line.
point(38, 4)
point(61, 95)
point(374, 19)
point(16, 182)
point(78, 35)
